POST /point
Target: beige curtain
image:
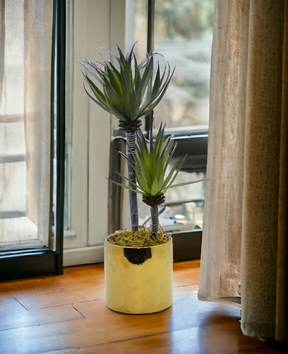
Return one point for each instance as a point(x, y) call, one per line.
point(25, 77)
point(243, 250)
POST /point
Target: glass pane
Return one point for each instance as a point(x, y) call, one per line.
point(183, 34)
point(136, 26)
point(25, 122)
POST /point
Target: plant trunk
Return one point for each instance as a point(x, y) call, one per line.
point(131, 174)
point(154, 220)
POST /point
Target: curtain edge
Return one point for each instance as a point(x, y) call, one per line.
point(235, 301)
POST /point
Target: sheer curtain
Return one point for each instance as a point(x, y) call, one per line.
point(25, 85)
point(243, 250)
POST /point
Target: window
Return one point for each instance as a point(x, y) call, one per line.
point(27, 115)
point(93, 208)
point(183, 34)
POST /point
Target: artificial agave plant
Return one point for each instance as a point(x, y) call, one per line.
point(129, 92)
point(154, 171)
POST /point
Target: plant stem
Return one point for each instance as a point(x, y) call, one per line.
point(131, 175)
point(154, 217)
point(159, 213)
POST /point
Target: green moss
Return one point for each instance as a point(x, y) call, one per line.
point(141, 238)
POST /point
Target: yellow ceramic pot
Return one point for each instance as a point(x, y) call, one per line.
point(138, 280)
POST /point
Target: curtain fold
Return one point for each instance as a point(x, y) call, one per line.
point(25, 140)
point(2, 46)
point(245, 227)
point(221, 245)
point(261, 222)
point(37, 102)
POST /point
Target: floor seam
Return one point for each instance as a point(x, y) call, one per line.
point(20, 303)
point(37, 324)
point(78, 311)
point(68, 303)
point(47, 293)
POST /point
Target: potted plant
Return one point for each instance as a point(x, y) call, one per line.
point(129, 93)
point(138, 262)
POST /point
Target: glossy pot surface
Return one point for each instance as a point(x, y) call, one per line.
point(138, 280)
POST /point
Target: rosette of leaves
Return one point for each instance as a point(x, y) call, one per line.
point(154, 170)
point(129, 92)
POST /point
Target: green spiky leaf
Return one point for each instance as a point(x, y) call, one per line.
point(129, 91)
point(150, 165)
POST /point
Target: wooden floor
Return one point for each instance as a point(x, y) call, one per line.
point(67, 314)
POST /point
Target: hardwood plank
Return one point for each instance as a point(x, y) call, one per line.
point(5, 295)
point(190, 312)
point(185, 273)
point(111, 348)
point(185, 291)
point(52, 320)
point(92, 308)
point(61, 297)
point(178, 266)
point(268, 350)
point(98, 307)
point(74, 278)
point(221, 339)
point(117, 327)
point(71, 290)
point(12, 320)
point(79, 333)
point(210, 339)
point(11, 306)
